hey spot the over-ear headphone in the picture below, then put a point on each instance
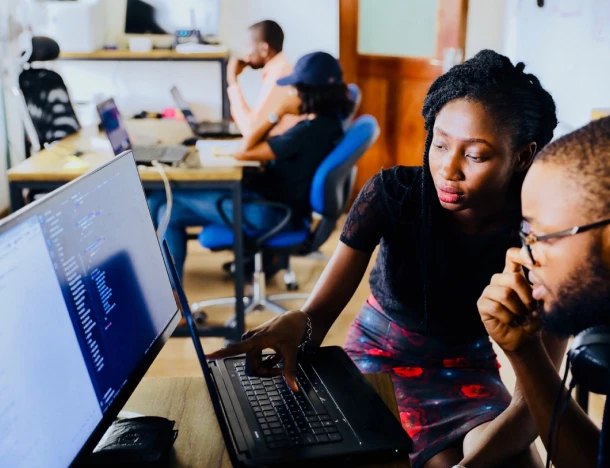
(589, 358)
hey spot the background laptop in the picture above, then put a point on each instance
(119, 139)
(204, 129)
(336, 415)
(86, 307)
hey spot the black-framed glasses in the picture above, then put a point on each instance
(528, 238)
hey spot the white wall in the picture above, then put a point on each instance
(566, 44)
(485, 26)
(140, 86)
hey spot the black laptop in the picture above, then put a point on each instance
(204, 129)
(119, 139)
(335, 416)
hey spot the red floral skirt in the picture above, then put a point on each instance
(443, 391)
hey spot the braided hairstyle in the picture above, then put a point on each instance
(513, 97)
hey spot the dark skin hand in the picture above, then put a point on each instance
(284, 333)
(501, 308)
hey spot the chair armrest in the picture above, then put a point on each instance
(271, 232)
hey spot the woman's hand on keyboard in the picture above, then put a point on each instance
(283, 334)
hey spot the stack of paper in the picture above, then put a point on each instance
(220, 153)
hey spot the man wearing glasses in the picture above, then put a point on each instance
(559, 280)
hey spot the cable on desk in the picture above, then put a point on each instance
(170, 199)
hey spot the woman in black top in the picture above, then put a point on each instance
(443, 231)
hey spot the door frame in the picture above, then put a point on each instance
(452, 34)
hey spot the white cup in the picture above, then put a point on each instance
(140, 44)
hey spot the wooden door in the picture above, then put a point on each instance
(394, 77)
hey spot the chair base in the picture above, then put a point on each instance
(258, 300)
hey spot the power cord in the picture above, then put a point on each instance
(168, 195)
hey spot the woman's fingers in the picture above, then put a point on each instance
(242, 347)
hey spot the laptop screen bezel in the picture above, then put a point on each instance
(126, 391)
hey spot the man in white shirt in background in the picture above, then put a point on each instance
(263, 51)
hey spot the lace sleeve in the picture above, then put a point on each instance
(366, 221)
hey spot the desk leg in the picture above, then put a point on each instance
(240, 326)
(16, 195)
(226, 107)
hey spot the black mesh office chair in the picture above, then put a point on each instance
(46, 96)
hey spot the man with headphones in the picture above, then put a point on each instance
(560, 282)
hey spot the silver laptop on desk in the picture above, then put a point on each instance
(204, 129)
(119, 139)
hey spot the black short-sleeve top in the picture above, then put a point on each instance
(388, 213)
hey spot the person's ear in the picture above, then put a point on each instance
(264, 49)
(525, 156)
(606, 246)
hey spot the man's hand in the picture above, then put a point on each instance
(235, 68)
(507, 308)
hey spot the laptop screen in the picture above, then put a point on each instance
(185, 108)
(114, 126)
(86, 299)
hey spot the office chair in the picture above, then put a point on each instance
(355, 95)
(46, 95)
(330, 192)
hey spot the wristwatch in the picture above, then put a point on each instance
(273, 118)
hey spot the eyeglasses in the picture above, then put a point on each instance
(528, 238)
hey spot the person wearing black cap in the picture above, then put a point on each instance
(290, 160)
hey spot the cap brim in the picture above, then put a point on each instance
(288, 80)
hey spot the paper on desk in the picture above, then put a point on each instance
(220, 153)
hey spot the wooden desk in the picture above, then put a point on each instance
(221, 56)
(187, 401)
(51, 169)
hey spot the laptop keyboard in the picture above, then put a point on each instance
(160, 153)
(287, 418)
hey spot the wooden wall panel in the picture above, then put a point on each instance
(374, 102)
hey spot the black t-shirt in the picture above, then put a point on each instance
(298, 154)
(388, 212)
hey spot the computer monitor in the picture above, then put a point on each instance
(168, 16)
(86, 306)
(113, 126)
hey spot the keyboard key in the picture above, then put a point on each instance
(274, 425)
(276, 445)
(322, 438)
(252, 399)
(315, 424)
(272, 419)
(335, 437)
(271, 413)
(308, 439)
(296, 441)
(254, 404)
(324, 417)
(292, 432)
(319, 431)
(311, 419)
(331, 429)
(266, 432)
(258, 387)
(273, 393)
(328, 423)
(310, 413)
(277, 430)
(264, 426)
(266, 407)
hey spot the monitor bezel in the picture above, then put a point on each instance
(126, 391)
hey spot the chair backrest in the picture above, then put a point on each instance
(356, 97)
(46, 95)
(48, 104)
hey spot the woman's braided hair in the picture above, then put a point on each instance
(515, 98)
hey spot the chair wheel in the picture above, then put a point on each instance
(200, 318)
(292, 286)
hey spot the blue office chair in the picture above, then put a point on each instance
(356, 97)
(330, 192)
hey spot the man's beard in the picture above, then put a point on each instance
(583, 301)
